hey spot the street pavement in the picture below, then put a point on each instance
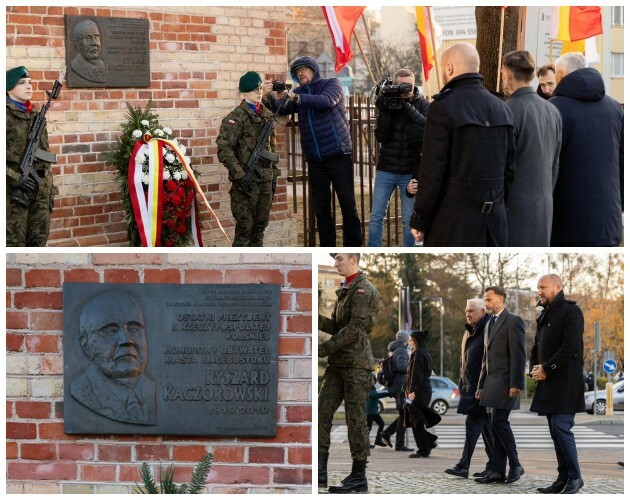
(600, 442)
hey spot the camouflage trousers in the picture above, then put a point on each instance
(251, 214)
(352, 386)
(29, 226)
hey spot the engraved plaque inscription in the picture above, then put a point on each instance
(107, 52)
(170, 359)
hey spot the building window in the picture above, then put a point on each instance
(617, 17)
(617, 65)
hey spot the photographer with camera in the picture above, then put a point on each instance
(327, 145)
(399, 130)
(29, 198)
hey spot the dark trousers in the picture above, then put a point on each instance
(476, 425)
(397, 427)
(338, 171)
(379, 421)
(504, 445)
(560, 425)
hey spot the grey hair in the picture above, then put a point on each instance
(571, 62)
(477, 303)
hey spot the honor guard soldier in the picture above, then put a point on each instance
(247, 148)
(29, 196)
(348, 375)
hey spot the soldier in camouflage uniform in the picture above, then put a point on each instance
(26, 225)
(348, 376)
(236, 141)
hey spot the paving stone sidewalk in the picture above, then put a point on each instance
(426, 482)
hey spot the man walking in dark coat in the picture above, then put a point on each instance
(557, 364)
(467, 160)
(477, 419)
(538, 136)
(500, 383)
(588, 198)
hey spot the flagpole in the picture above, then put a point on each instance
(551, 40)
(434, 49)
(369, 38)
(367, 65)
(500, 47)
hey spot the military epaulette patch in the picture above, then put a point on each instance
(360, 291)
(231, 122)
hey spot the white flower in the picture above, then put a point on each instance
(187, 158)
(167, 130)
(145, 179)
(158, 132)
(169, 157)
(145, 123)
(182, 148)
(184, 175)
(177, 176)
(136, 134)
(167, 174)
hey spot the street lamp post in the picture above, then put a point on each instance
(436, 299)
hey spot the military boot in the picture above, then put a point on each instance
(322, 470)
(356, 482)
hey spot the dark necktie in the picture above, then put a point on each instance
(492, 321)
(134, 407)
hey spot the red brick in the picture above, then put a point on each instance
(253, 276)
(224, 474)
(12, 450)
(99, 259)
(52, 364)
(14, 341)
(80, 276)
(9, 409)
(290, 345)
(32, 409)
(300, 279)
(114, 453)
(304, 302)
(149, 452)
(76, 451)
(285, 301)
(266, 455)
(189, 453)
(52, 470)
(42, 343)
(289, 434)
(203, 276)
(38, 300)
(14, 277)
(43, 320)
(300, 456)
(52, 430)
(299, 414)
(299, 324)
(129, 474)
(182, 474)
(121, 276)
(43, 278)
(232, 454)
(162, 276)
(38, 451)
(17, 320)
(19, 430)
(98, 472)
(292, 476)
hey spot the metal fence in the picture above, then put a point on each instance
(361, 114)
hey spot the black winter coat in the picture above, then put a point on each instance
(400, 360)
(419, 376)
(467, 160)
(588, 197)
(559, 348)
(472, 357)
(400, 133)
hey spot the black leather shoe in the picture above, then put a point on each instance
(379, 441)
(514, 474)
(457, 471)
(572, 486)
(483, 473)
(419, 455)
(385, 438)
(356, 482)
(403, 448)
(493, 477)
(556, 487)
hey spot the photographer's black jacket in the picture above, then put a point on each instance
(400, 133)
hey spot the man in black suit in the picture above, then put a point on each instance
(557, 364)
(477, 419)
(502, 378)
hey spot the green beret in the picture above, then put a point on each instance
(249, 81)
(14, 75)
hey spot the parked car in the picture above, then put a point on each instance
(600, 406)
(445, 395)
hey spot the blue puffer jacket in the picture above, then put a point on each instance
(324, 129)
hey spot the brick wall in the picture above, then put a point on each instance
(197, 56)
(42, 459)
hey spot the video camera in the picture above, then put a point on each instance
(280, 86)
(391, 92)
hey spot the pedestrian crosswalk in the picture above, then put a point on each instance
(527, 436)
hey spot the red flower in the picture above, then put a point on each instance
(168, 243)
(176, 200)
(171, 223)
(181, 229)
(171, 185)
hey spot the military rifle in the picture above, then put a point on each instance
(29, 180)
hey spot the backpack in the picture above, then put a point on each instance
(387, 371)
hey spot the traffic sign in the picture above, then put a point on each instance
(610, 366)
